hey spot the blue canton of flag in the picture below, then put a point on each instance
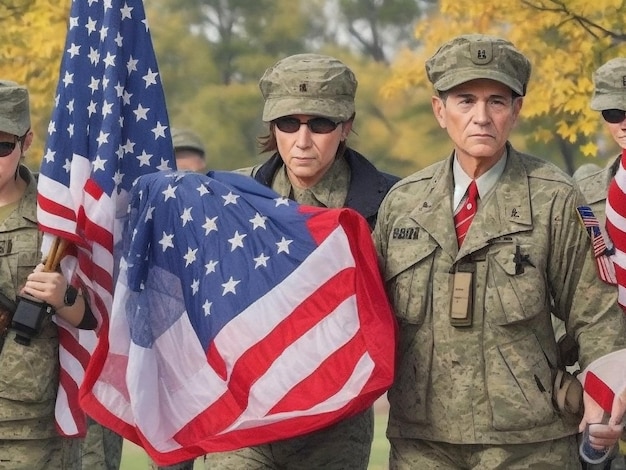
(109, 107)
(601, 252)
(109, 126)
(232, 255)
(239, 318)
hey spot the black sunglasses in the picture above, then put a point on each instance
(613, 115)
(6, 148)
(318, 125)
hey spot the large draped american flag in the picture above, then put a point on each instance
(239, 318)
(109, 125)
(616, 225)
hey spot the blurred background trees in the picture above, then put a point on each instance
(211, 54)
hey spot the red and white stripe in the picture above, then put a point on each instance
(90, 228)
(616, 226)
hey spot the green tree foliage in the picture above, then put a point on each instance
(211, 55)
(32, 37)
(240, 41)
(243, 34)
(565, 41)
(377, 24)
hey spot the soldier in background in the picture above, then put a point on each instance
(189, 151)
(477, 355)
(190, 156)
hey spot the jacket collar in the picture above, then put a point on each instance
(363, 175)
(505, 211)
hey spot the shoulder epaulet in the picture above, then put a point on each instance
(537, 167)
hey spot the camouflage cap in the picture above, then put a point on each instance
(610, 86)
(14, 109)
(474, 56)
(311, 84)
(186, 139)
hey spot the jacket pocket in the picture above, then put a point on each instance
(29, 373)
(515, 291)
(409, 275)
(519, 385)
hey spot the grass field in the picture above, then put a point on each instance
(134, 457)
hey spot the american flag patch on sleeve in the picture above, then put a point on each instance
(601, 252)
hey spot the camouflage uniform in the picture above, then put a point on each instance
(609, 93)
(480, 396)
(187, 465)
(594, 187)
(28, 374)
(102, 448)
(490, 383)
(593, 183)
(319, 86)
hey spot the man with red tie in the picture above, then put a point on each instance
(477, 251)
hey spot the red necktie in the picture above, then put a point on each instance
(463, 218)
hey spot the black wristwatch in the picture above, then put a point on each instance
(70, 295)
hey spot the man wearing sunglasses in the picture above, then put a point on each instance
(309, 105)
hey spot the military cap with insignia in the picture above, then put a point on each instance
(475, 56)
(311, 84)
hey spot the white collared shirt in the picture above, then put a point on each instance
(484, 182)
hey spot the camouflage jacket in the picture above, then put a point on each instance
(490, 382)
(594, 188)
(367, 185)
(28, 374)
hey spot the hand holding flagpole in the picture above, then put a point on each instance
(57, 250)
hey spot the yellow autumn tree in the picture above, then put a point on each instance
(565, 41)
(32, 37)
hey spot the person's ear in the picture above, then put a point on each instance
(27, 142)
(346, 127)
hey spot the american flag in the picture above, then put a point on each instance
(601, 252)
(616, 226)
(109, 125)
(604, 378)
(239, 318)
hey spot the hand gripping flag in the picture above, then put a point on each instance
(616, 226)
(109, 125)
(604, 378)
(239, 318)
